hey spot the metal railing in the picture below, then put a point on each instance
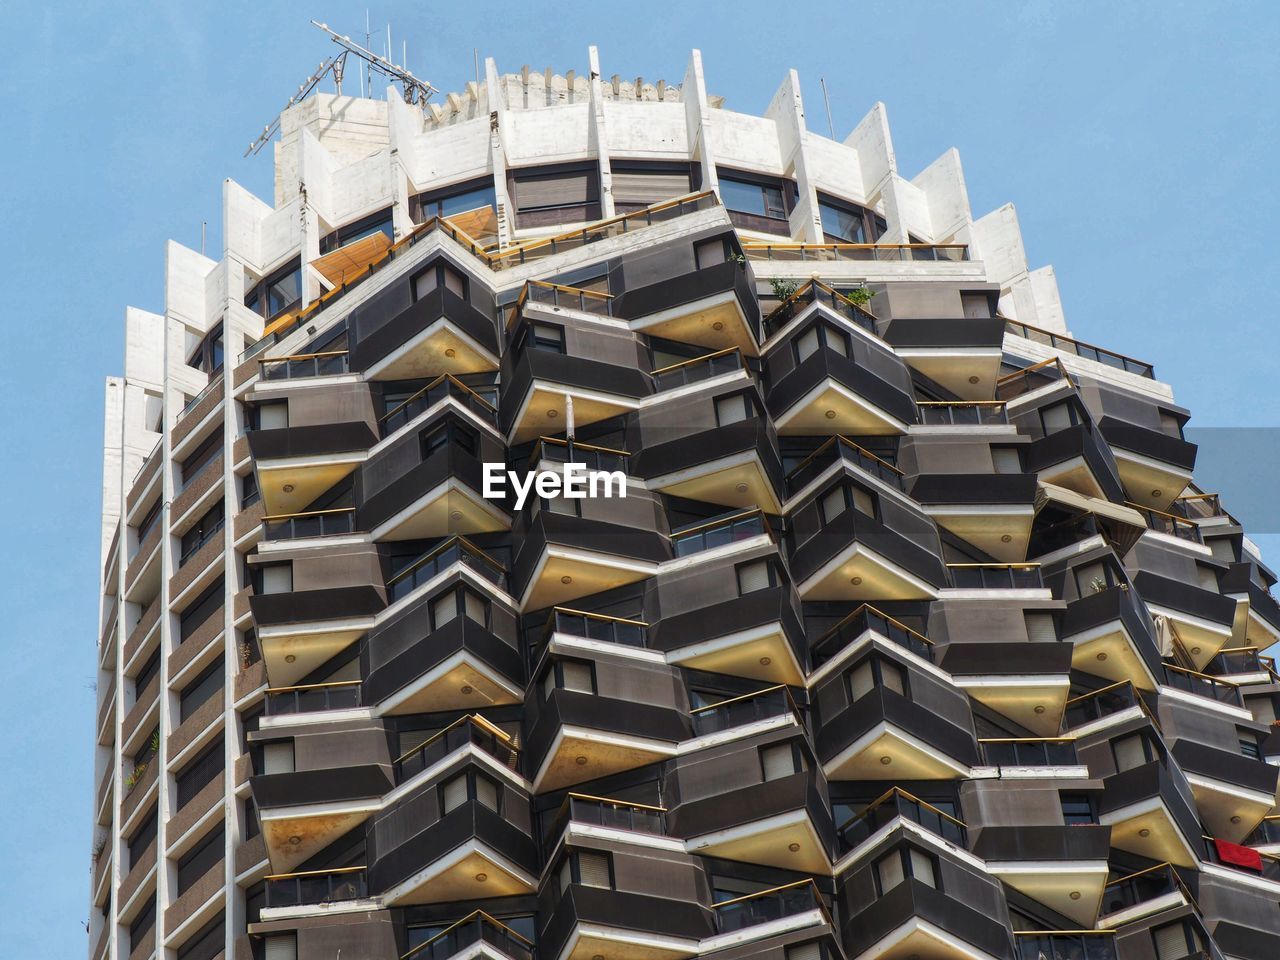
(1065, 944)
(737, 711)
(316, 887)
(962, 413)
(195, 547)
(841, 448)
(1141, 887)
(815, 291)
(595, 626)
(1231, 660)
(1199, 506)
(456, 549)
(559, 295)
(311, 523)
(766, 906)
(784, 252)
(1168, 523)
(1265, 833)
(300, 365)
(996, 576)
(1031, 378)
(445, 385)
(719, 532)
(1028, 751)
(471, 729)
(1079, 348)
(1270, 863)
(894, 803)
(607, 812)
(1202, 685)
(1104, 702)
(698, 369)
(194, 402)
(864, 618)
(574, 451)
(471, 930)
(313, 697)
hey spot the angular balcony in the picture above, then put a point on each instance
(1143, 894)
(843, 451)
(886, 735)
(441, 333)
(1078, 459)
(310, 524)
(993, 511)
(857, 557)
(1112, 638)
(886, 813)
(967, 413)
(1065, 518)
(476, 934)
(830, 393)
(1154, 466)
(796, 307)
(1034, 758)
(1027, 682)
(915, 919)
(961, 354)
(856, 631)
(445, 388)
(304, 366)
(1202, 685)
(313, 698)
(1202, 620)
(306, 891)
(736, 465)
(995, 576)
(1243, 665)
(714, 307)
(758, 635)
(1151, 812)
(781, 823)
(1257, 621)
(765, 913)
(1065, 944)
(471, 733)
(1267, 866)
(1233, 792)
(604, 813)
(1114, 703)
(1078, 348)
(1063, 867)
(1265, 837)
(300, 630)
(590, 921)
(297, 464)
(1032, 378)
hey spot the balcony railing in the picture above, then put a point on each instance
(1233, 660)
(1028, 751)
(1105, 702)
(1202, 685)
(996, 576)
(766, 906)
(1199, 506)
(1265, 833)
(470, 931)
(719, 532)
(559, 295)
(698, 369)
(313, 697)
(738, 711)
(841, 448)
(1270, 864)
(1079, 348)
(894, 803)
(316, 887)
(595, 626)
(606, 812)
(968, 413)
(1169, 523)
(864, 618)
(954, 252)
(300, 365)
(1065, 944)
(1142, 887)
(209, 534)
(1031, 378)
(445, 385)
(312, 523)
(815, 291)
(454, 550)
(573, 451)
(194, 402)
(471, 729)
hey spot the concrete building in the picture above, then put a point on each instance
(912, 638)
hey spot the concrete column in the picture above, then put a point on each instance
(693, 93)
(597, 135)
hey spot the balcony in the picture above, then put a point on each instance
(1266, 835)
(914, 919)
(1142, 894)
(1202, 685)
(607, 814)
(776, 910)
(310, 524)
(472, 731)
(1257, 621)
(591, 921)
(961, 354)
(1078, 348)
(735, 466)
(1031, 757)
(455, 551)
(1065, 944)
(841, 450)
(830, 393)
(1032, 378)
(301, 366)
(857, 252)
(1202, 620)
(815, 291)
(993, 511)
(1154, 466)
(315, 888)
(297, 464)
(439, 334)
(1270, 868)
(1114, 703)
(442, 388)
(714, 307)
(1232, 792)
(1078, 459)
(969, 413)
(1169, 524)
(894, 805)
(760, 707)
(475, 934)
(1026, 682)
(313, 698)
(1112, 638)
(1063, 867)
(857, 557)
(758, 635)
(300, 630)
(995, 576)
(1151, 812)
(865, 622)
(595, 627)
(1244, 665)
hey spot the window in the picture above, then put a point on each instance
(1077, 809)
(1040, 626)
(1132, 751)
(207, 943)
(812, 950)
(1206, 577)
(249, 492)
(1006, 460)
(269, 416)
(470, 785)
(846, 222)
(1171, 424)
(277, 756)
(757, 575)
(149, 671)
(251, 825)
(556, 194)
(439, 274)
(142, 838)
(708, 253)
(761, 198)
(588, 868)
(199, 690)
(449, 434)
(636, 184)
(781, 760)
(845, 496)
(902, 863)
(379, 222)
(269, 578)
(200, 772)
(277, 293)
(1093, 578)
(1175, 941)
(142, 924)
(876, 672)
(546, 336)
(1249, 743)
(1059, 416)
(576, 675)
(280, 947)
(202, 456)
(459, 198)
(817, 337)
(147, 752)
(734, 409)
(149, 520)
(459, 602)
(207, 355)
(202, 531)
(200, 610)
(197, 861)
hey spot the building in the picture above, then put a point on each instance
(913, 637)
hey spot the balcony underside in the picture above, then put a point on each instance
(290, 484)
(859, 573)
(918, 939)
(292, 652)
(957, 367)
(716, 322)
(1229, 812)
(1149, 830)
(462, 682)
(579, 754)
(441, 348)
(762, 653)
(1201, 638)
(1072, 888)
(1035, 702)
(768, 842)
(1002, 531)
(1073, 474)
(736, 481)
(313, 830)
(909, 758)
(831, 408)
(543, 412)
(1150, 482)
(590, 940)
(563, 574)
(473, 871)
(449, 509)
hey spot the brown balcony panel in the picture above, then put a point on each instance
(194, 725)
(243, 769)
(146, 550)
(142, 630)
(195, 565)
(140, 483)
(190, 648)
(196, 896)
(240, 604)
(137, 872)
(209, 477)
(146, 699)
(146, 946)
(249, 680)
(250, 853)
(192, 417)
(109, 631)
(105, 708)
(104, 788)
(132, 798)
(245, 372)
(211, 795)
(247, 519)
(111, 571)
(100, 868)
(104, 938)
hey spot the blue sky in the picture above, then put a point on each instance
(1137, 140)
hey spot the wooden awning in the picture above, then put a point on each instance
(349, 262)
(1123, 526)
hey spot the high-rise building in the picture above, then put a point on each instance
(907, 633)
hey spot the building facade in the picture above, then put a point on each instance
(913, 636)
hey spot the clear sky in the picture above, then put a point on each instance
(1138, 141)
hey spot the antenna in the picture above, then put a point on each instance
(414, 89)
(333, 63)
(827, 100)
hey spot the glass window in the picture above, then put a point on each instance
(922, 867)
(277, 756)
(197, 861)
(1175, 941)
(270, 416)
(843, 224)
(1060, 416)
(379, 222)
(453, 794)
(594, 869)
(1006, 460)
(756, 575)
(546, 336)
(208, 942)
(274, 578)
(199, 690)
(1249, 744)
(444, 609)
(734, 409)
(781, 760)
(807, 344)
(280, 946)
(150, 670)
(1131, 751)
(1077, 809)
(200, 772)
(200, 610)
(142, 923)
(876, 671)
(833, 503)
(475, 607)
(889, 872)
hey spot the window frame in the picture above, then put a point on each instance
(907, 866)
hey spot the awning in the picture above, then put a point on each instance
(349, 262)
(1121, 525)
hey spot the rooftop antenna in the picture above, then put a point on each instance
(414, 89)
(335, 64)
(827, 100)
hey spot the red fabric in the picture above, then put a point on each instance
(1238, 856)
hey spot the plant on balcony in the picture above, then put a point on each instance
(859, 296)
(784, 289)
(1097, 584)
(135, 775)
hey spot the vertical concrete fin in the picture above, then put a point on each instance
(945, 194)
(696, 114)
(597, 135)
(874, 144)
